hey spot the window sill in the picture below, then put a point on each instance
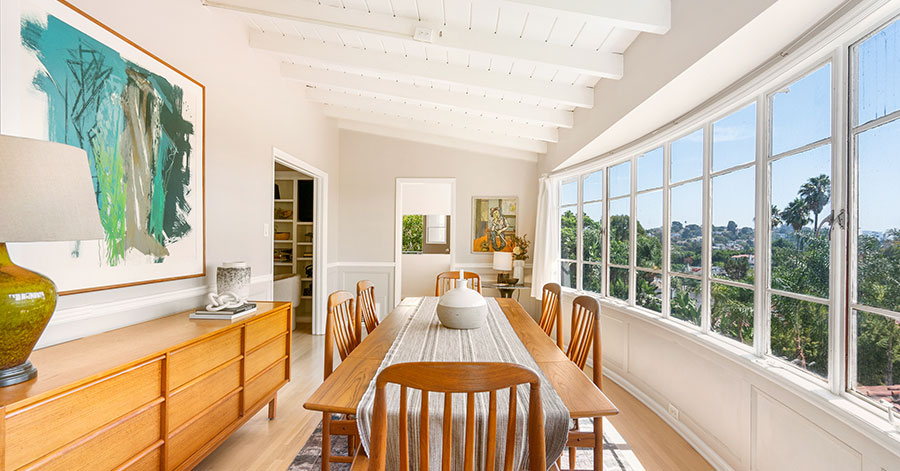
(854, 412)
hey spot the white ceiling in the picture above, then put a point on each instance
(503, 73)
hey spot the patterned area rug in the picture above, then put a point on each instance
(617, 454)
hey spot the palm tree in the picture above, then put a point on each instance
(796, 214)
(816, 193)
(776, 217)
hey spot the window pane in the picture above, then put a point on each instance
(593, 186)
(800, 333)
(618, 283)
(568, 275)
(649, 230)
(649, 291)
(592, 232)
(878, 357)
(620, 179)
(734, 139)
(687, 157)
(732, 312)
(593, 277)
(801, 112)
(568, 193)
(650, 170)
(619, 230)
(687, 234)
(733, 214)
(685, 301)
(878, 238)
(878, 74)
(568, 233)
(801, 197)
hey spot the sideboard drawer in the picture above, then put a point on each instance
(198, 358)
(193, 437)
(149, 462)
(38, 429)
(258, 331)
(265, 356)
(192, 400)
(257, 389)
(115, 446)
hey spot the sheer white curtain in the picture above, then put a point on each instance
(545, 265)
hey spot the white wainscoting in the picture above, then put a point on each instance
(345, 275)
(736, 416)
(93, 318)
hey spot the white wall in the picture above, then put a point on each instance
(249, 109)
(740, 415)
(417, 275)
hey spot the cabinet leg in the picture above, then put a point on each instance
(273, 408)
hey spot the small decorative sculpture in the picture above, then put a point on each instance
(232, 286)
(462, 307)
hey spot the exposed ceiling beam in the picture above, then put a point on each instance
(529, 145)
(437, 140)
(565, 94)
(495, 107)
(434, 115)
(376, 25)
(654, 16)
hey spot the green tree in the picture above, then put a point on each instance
(815, 194)
(619, 239)
(732, 312)
(568, 235)
(796, 215)
(412, 233)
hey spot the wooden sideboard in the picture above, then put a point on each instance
(160, 395)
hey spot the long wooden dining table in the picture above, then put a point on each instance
(342, 391)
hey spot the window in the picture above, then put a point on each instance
(568, 239)
(875, 234)
(800, 242)
(735, 225)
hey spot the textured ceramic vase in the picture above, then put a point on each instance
(233, 277)
(518, 271)
(462, 307)
(27, 300)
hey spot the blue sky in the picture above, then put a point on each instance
(801, 115)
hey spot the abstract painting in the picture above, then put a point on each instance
(65, 77)
(493, 222)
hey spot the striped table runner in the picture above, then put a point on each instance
(423, 338)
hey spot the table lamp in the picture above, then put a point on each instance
(503, 264)
(46, 194)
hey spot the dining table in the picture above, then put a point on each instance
(343, 390)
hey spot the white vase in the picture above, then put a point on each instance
(518, 271)
(462, 307)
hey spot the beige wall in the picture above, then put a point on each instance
(249, 109)
(370, 166)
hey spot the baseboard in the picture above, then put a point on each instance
(686, 433)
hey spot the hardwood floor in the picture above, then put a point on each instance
(265, 445)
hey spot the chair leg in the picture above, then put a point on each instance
(572, 457)
(326, 441)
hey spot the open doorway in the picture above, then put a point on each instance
(426, 223)
(298, 238)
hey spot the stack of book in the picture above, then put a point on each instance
(225, 314)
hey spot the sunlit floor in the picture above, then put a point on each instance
(262, 444)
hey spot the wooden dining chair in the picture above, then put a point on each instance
(448, 378)
(365, 305)
(550, 312)
(445, 281)
(342, 326)
(585, 334)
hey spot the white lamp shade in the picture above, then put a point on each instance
(46, 192)
(502, 261)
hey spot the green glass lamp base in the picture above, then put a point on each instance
(17, 374)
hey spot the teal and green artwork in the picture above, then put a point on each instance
(67, 78)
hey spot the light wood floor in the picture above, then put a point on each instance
(265, 445)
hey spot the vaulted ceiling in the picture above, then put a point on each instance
(505, 74)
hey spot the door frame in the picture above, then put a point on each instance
(398, 227)
(320, 232)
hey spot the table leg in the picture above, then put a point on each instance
(598, 444)
(326, 441)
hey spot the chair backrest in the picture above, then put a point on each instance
(586, 333)
(339, 328)
(550, 312)
(445, 281)
(449, 378)
(365, 304)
